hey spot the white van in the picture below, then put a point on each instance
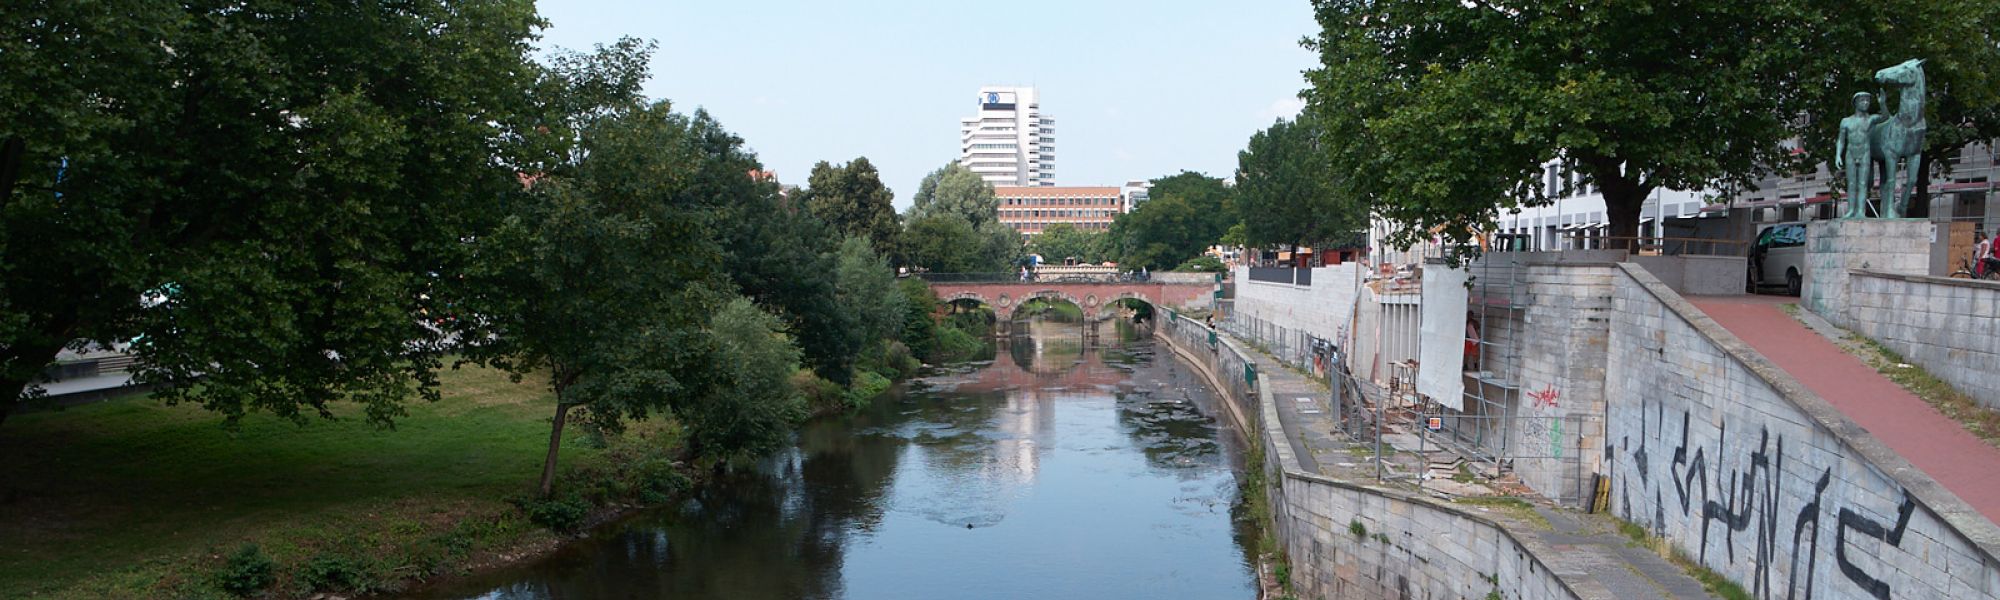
(1778, 257)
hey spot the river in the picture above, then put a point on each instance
(1066, 467)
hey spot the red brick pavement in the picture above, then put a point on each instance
(1963, 463)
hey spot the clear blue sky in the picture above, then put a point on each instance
(1139, 89)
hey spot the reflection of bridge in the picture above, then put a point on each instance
(1005, 293)
(1049, 361)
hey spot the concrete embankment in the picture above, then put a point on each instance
(1352, 541)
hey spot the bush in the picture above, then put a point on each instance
(866, 387)
(564, 513)
(332, 572)
(659, 481)
(247, 571)
(955, 344)
(1201, 264)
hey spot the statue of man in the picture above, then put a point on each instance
(1851, 153)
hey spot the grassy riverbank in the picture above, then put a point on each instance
(131, 499)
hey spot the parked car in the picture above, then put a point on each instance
(1778, 257)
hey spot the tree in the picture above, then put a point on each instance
(752, 408)
(868, 291)
(1063, 240)
(263, 196)
(853, 200)
(957, 190)
(1161, 233)
(777, 254)
(1210, 197)
(1282, 192)
(605, 281)
(1187, 213)
(1447, 112)
(946, 243)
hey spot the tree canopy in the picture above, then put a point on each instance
(285, 185)
(957, 190)
(947, 243)
(1283, 195)
(1447, 112)
(852, 199)
(1063, 240)
(1187, 212)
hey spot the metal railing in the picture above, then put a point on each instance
(1032, 277)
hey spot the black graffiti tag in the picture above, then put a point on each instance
(1868, 527)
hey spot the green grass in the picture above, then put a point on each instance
(130, 498)
(1517, 507)
(1977, 419)
(1955, 405)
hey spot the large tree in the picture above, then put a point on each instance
(956, 190)
(604, 281)
(1063, 241)
(946, 243)
(1447, 111)
(1283, 191)
(1187, 213)
(852, 199)
(283, 183)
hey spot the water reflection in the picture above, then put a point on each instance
(1076, 466)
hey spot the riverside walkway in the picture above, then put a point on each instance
(1585, 550)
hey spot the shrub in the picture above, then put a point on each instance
(866, 387)
(332, 572)
(1201, 264)
(246, 572)
(563, 513)
(659, 481)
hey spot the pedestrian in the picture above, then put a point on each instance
(1024, 273)
(1984, 255)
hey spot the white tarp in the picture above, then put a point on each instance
(1441, 350)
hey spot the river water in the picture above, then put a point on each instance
(1062, 468)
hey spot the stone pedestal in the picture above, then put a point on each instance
(1899, 246)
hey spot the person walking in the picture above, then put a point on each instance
(1983, 256)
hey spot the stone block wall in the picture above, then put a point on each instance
(1324, 309)
(1751, 475)
(1950, 327)
(1558, 435)
(1834, 248)
(1409, 546)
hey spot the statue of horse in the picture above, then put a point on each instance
(1897, 140)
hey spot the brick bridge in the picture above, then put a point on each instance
(1005, 295)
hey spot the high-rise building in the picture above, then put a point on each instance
(1136, 192)
(1010, 142)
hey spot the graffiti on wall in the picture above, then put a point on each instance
(1546, 398)
(1723, 492)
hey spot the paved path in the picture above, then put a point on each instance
(1941, 448)
(1585, 550)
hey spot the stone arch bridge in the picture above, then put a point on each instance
(1005, 293)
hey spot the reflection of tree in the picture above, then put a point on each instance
(777, 531)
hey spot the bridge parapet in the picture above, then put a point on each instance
(1005, 295)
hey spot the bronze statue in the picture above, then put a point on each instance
(1853, 153)
(1897, 140)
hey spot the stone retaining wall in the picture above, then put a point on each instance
(1740, 467)
(1357, 542)
(1950, 327)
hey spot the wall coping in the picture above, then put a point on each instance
(1961, 518)
(1976, 284)
(1275, 440)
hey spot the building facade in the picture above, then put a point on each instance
(1010, 142)
(1031, 210)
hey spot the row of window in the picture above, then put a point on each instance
(1099, 201)
(1086, 214)
(994, 147)
(1039, 225)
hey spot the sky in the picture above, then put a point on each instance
(1139, 90)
